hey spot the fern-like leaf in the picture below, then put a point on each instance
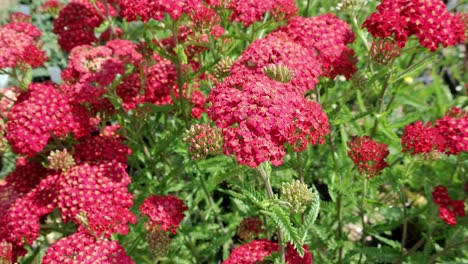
(281, 218)
(310, 218)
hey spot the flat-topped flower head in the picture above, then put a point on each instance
(20, 46)
(327, 37)
(257, 250)
(252, 252)
(278, 50)
(77, 20)
(40, 113)
(422, 139)
(85, 190)
(454, 128)
(249, 11)
(84, 248)
(428, 20)
(368, 155)
(164, 211)
(259, 116)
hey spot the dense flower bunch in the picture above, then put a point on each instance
(41, 113)
(92, 193)
(249, 228)
(454, 128)
(19, 46)
(77, 20)
(85, 248)
(368, 155)
(250, 11)
(258, 116)
(280, 50)
(328, 37)
(164, 211)
(429, 20)
(257, 250)
(419, 138)
(448, 209)
(160, 85)
(449, 135)
(144, 10)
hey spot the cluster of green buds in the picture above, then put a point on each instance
(203, 140)
(223, 68)
(279, 73)
(60, 160)
(297, 195)
(3, 142)
(158, 240)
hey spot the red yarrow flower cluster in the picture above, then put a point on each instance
(40, 113)
(328, 37)
(164, 211)
(278, 49)
(448, 209)
(144, 10)
(419, 138)
(84, 248)
(259, 115)
(161, 80)
(449, 135)
(257, 250)
(20, 46)
(429, 20)
(368, 155)
(454, 128)
(92, 69)
(83, 187)
(250, 11)
(77, 20)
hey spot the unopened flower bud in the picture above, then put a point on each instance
(384, 50)
(249, 228)
(223, 68)
(60, 160)
(203, 141)
(158, 240)
(298, 195)
(279, 73)
(360, 81)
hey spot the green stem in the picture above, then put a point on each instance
(447, 248)
(266, 179)
(180, 80)
(363, 212)
(380, 104)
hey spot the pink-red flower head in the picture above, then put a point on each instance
(164, 211)
(428, 20)
(368, 155)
